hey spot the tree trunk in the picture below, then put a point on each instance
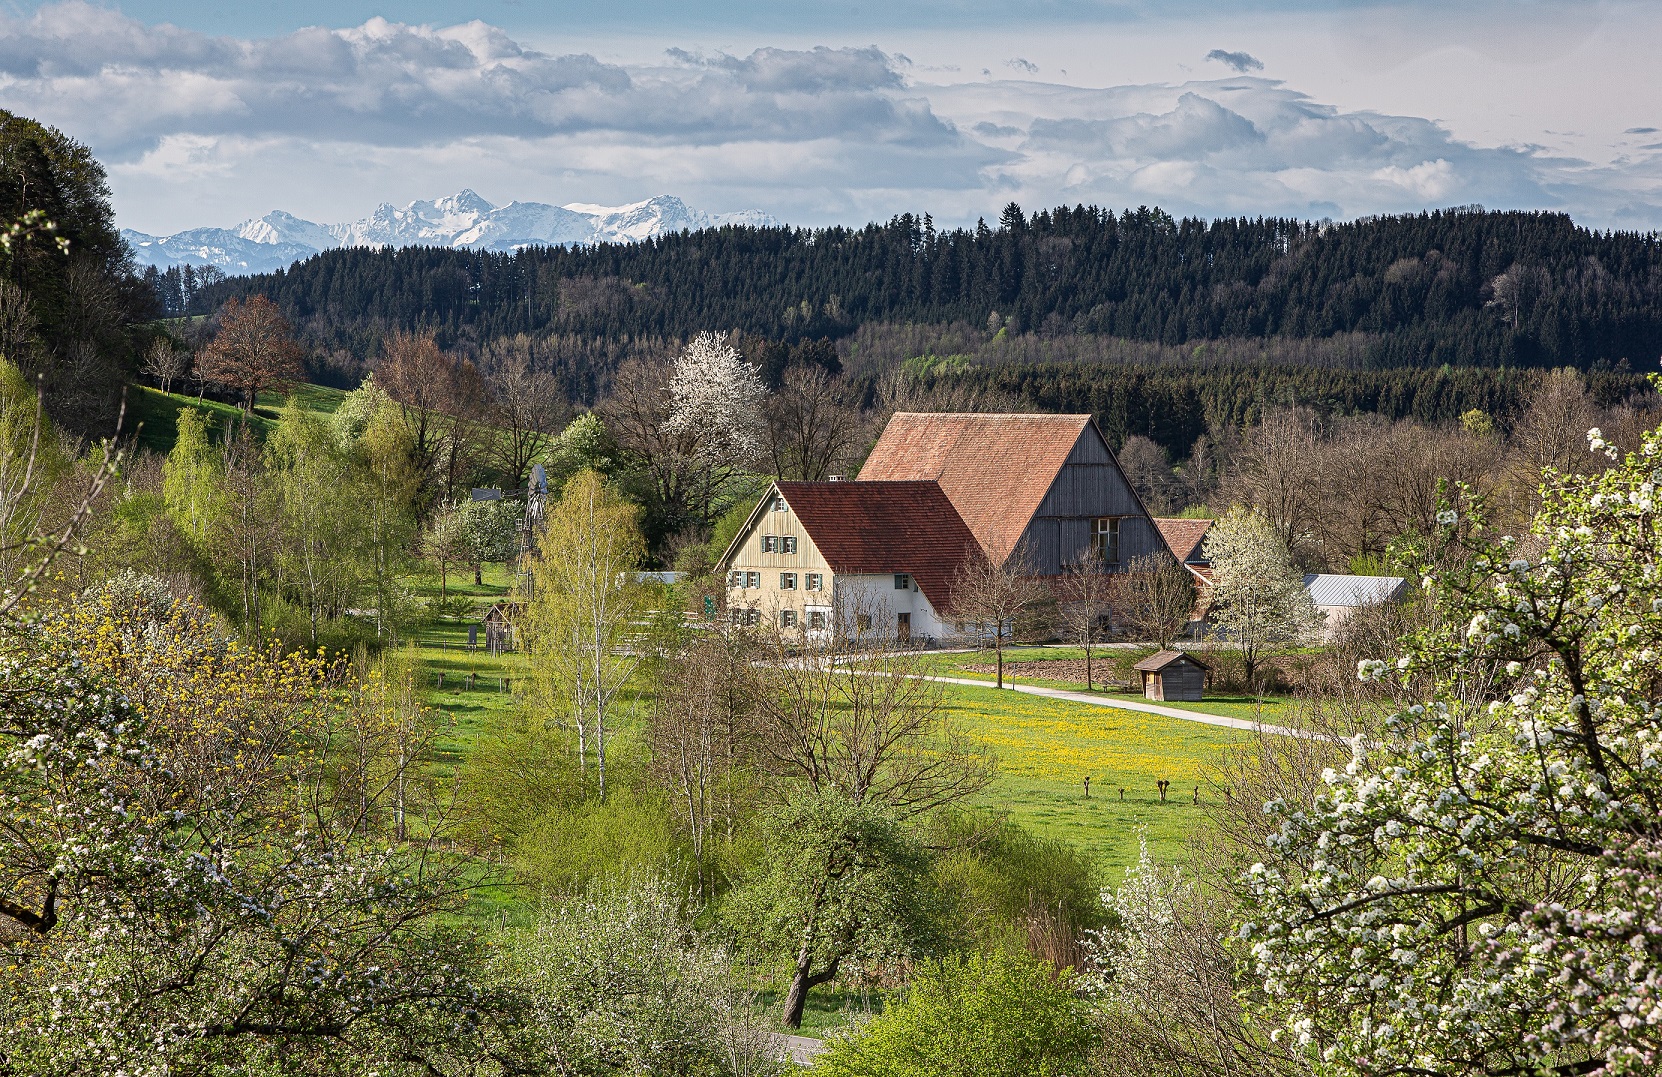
(998, 645)
(1088, 684)
(478, 577)
(802, 982)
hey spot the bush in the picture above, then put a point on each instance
(980, 1015)
(1009, 887)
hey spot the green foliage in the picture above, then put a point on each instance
(993, 1014)
(841, 877)
(620, 981)
(585, 444)
(999, 878)
(192, 478)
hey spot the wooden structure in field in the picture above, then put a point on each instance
(1173, 675)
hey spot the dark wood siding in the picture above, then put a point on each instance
(1181, 681)
(1089, 485)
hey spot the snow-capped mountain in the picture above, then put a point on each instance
(462, 220)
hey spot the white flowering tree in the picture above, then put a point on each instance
(716, 402)
(1258, 597)
(1480, 889)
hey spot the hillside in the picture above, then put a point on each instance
(1462, 287)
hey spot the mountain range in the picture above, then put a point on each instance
(462, 220)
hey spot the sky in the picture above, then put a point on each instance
(210, 112)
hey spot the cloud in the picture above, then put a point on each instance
(199, 129)
(1240, 61)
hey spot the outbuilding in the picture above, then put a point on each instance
(1173, 675)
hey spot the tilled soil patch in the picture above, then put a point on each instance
(1054, 669)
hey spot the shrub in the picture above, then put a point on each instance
(979, 1015)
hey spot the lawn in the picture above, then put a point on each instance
(155, 414)
(1046, 748)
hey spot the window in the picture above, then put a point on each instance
(814, 582)
(902, 582)
(770, 544)
(787, 544)
(735, 579)
(779, 503)
(1105, 539)
(787, 581)
(752, 617)
(787, 618)
(862, 622)
(816, 618)
(753, 579)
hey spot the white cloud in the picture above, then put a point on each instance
(199, 129)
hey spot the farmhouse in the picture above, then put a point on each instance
(1048, 483)
(858, 558)
(878, 556)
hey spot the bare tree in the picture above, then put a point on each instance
(1272, 470)
(1086, 592)
(253, 350)
(166, 363)
(811, 428)
(1155, 598)
(1147, 468)
(527, 408)
(440, 396)
(992, 593)
(698, 718)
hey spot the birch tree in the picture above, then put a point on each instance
(584, 608)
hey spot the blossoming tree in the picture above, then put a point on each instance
(1480, 889)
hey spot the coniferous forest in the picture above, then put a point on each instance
(1461, 287)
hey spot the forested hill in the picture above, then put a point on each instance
(1458, 286)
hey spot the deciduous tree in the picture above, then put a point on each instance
(992, 593)
(1476, 891)
(1258, 596)
(253, 350)
(1154, 598)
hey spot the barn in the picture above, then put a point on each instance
(1173, 675)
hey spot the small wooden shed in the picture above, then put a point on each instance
(1173, 675)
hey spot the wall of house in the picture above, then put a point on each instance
(769, 598)
(1089, 485)
(878, 598)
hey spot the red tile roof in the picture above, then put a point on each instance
(875, 528)
(996, 469)
(1185, 537)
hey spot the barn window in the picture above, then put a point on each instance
(1105, 539)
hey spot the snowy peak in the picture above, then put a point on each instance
(463, 220)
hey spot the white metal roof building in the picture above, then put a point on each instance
(1336, 597)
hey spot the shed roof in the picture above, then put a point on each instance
(1185, 537)
(1327, 589)
(1159, 660)
(870, 528)
(996, 469)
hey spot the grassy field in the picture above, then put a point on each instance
(1046, 748)
(155, 414)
